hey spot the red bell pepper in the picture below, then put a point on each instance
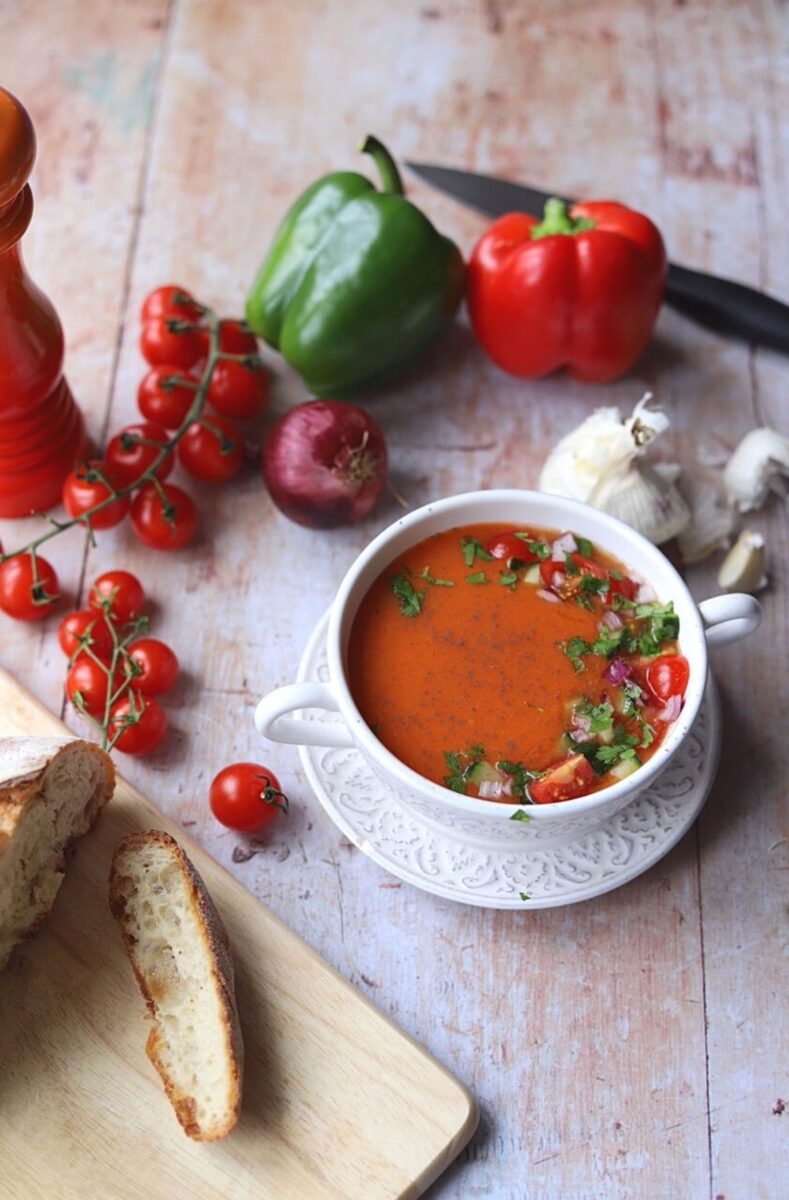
(580, 289)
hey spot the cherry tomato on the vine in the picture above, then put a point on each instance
(85, 624)
(165, 522)
(27, 592)
(90, 681)
(160, 344)
(132, 451)
(237, 390)
(212, 450)
(163, 402)
(157, 664)
(235, 337)
(84, 487)
(170, 301)
(124, 593)
(246, 797)
(668, 676)
(148, 729)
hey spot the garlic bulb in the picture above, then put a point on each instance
(759, 464)
(742, 570)
(711, 520)
(595, 463)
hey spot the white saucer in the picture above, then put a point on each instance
(633, 840)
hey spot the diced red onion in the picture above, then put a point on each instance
(490, 789)
(565, 544)
(507, 788)
(646, 593)
(557, 579)
(671, 710)
(541, 592)
(617, 671)
(611, 619)
(582, 721)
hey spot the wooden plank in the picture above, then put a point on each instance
(337, 1102)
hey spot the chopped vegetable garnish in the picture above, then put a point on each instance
(586, 548)
(477, 577)
(473, 549)
(520, 815)
(508, 579)
(410, 599)
(428, 578)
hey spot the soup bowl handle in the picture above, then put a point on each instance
(272, 721)
(729, 618)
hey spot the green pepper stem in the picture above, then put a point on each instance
(387, 168)
(558, 220)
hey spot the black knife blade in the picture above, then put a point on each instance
(721, 304)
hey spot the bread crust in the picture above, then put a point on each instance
(28, 760)
(216, 945)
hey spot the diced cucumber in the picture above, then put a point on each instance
(625, 767)
(533, 574)
(606, 736)
(483, 772)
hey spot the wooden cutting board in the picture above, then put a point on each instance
(338, 1102)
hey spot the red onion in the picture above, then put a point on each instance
(541, 592)
(611, 619)
(557, 579)
(490, 789)
(324, 463)
(672, 709)
(617, 671)
(565, 544)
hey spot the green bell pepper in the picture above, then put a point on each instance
(357, 283)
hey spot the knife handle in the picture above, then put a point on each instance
(729, 307)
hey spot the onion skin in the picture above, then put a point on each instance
(325, 464)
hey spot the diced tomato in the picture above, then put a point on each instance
(564, 781)
(623, 587)
(549, 568)
(507, 545)
(588, 566)
(668, 676)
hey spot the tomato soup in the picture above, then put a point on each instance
(518, 665)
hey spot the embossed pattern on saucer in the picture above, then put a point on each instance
(634, 839)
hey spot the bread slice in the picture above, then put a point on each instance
(51, 791)
(181, 956)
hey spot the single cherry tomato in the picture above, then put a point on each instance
(85, 625)
(235, 337)
(27, 591)
(246, 797)
(121, 593)
(564, 781)
(237, 390)
(170, 301)
(132, 451)
(89, 681)
(212, 450)
(164, 523)
(161, 344)
(157, 665)
(84, 487)
(512, 548)
(163, 402)
(668, 676)
(149, 723)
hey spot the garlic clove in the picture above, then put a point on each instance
(759, 464)
(711, 520)
(742, 570)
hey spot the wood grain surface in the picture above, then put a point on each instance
(629, 1047)
(336, 1101)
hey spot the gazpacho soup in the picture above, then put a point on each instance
(518, 665)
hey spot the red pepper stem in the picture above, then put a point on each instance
(387, 168)
(557, 220)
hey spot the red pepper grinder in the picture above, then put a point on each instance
(41, 429)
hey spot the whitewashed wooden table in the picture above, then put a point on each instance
(627, 1047)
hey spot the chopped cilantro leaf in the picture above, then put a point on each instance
(570, 566)
(477, 577)
(519, 776)
(615, 574)
(647, 734)
(574, 648)
(520, 815)
(601, 715)
(619, 602)
(602, 758)
(460, 763)
(508, 579)
(592, 585)
(632, 693)
(524, 895)
(410, 599)
(585, 547)
(473, 549)
(541, 549)
(431, 579)
(584, 601)
(608, 641)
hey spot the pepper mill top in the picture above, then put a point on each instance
(17, 155)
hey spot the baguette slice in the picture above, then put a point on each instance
(181, 956)
(51, 791)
